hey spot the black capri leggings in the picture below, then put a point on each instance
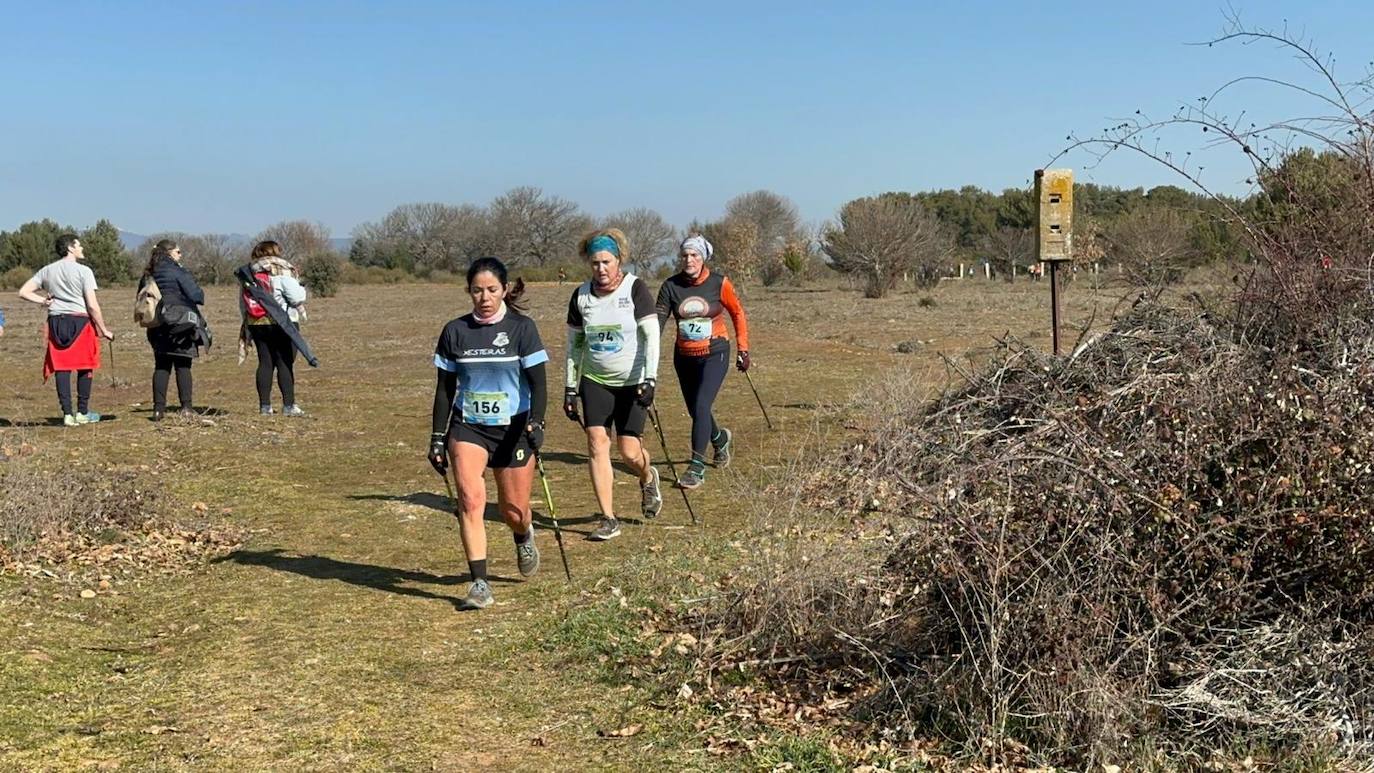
(275, 352)
(700, 378)
(163, 365)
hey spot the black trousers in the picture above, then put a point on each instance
(275, 353)
(63, 379)
(700, 379)
(163, 365)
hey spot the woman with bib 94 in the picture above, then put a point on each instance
(612, 366)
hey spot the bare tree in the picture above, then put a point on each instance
(211, 258)
(1009, 246)
(735, 241)
(1309, 268)
(882, 237)
(1153, 245)
(533, 228)
(299, 239)
(651, 238)
(426, 237)
(773, 216)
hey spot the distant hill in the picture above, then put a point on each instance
(131, 241)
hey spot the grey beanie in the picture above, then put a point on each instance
(699, 244)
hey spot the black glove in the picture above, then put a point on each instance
(570, 405)
(438, 453)
(645, 395)
(742, 360)
(535, 431)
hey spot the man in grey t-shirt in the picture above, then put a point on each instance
(74, 321)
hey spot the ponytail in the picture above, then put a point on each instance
(514, 294)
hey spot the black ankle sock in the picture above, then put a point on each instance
(521, 539)
(478, 569)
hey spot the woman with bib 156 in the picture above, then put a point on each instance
(489, 403)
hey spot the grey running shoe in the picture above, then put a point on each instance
(609, 528)
(265, 410)
(292, 410)
(651, 499)
(527, 555)
(479, 596)
(694, 477)
(720, 452)
(90, 417)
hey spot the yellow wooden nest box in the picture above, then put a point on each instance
(1054, 212)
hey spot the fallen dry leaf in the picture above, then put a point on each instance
(623, 732)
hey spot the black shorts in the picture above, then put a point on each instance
(507, 445)
(604, 406)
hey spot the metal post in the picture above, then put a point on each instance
(1054, 304)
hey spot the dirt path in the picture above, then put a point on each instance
(331, 640)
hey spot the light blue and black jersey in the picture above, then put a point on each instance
(490, 363)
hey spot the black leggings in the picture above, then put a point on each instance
(163, 365)
(63, 379)
(275, 352)
(700, 379)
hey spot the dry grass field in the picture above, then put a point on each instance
(330, 640)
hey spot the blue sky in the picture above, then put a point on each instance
(225, 117)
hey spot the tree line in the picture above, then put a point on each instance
(1154, 235)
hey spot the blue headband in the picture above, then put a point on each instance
(603, 243)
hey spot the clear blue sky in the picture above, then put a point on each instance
(199, 117)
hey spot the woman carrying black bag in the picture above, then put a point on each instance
(177, 340)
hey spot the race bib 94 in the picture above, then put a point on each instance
(607, 339)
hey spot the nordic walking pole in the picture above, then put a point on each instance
(653, 415)
(112, 363)
(452, 500)
(759, 399)
(553, 516)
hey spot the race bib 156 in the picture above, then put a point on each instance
(486, 408)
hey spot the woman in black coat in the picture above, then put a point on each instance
(174, 346)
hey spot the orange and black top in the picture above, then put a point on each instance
(699, 306)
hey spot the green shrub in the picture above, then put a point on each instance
(322, 273)
(353, 274)
(15, 278)
(576, 272)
